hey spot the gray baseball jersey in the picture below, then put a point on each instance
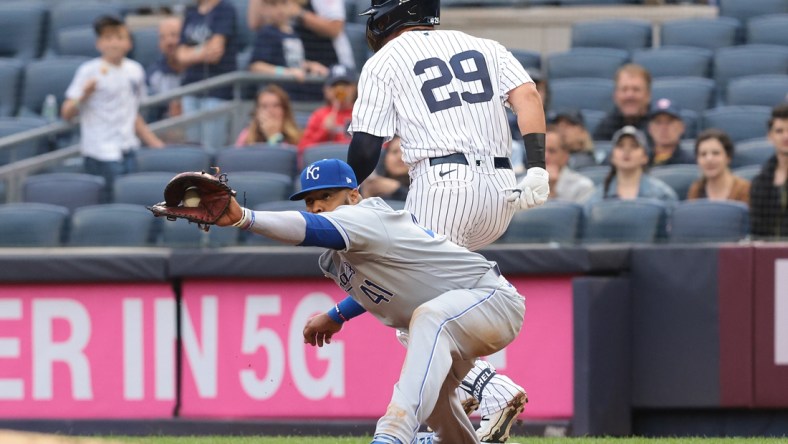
(443, 92)
(453, 302)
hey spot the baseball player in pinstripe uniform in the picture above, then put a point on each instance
(444, 93)
(454, 303)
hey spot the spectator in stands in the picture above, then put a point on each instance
(106, 93)
(769, 192)
(565, 183)
(279, 51)
(208, 48)
(164, 74)
(632, 95)
(666, 127)
(628, 178)
(321, 26)
(714, 151)
(390, 180)
(330, 122)
(272, 121)
(571, 126)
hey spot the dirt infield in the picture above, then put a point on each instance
(12, 437)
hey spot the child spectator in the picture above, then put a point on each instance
(164, 74)
(106, 93)
(769, 192)
(628, 178)
(272, 121)
(278, 50)
(714, 151)
(207, 49)
(330, 122)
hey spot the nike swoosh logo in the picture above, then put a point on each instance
(443, 173)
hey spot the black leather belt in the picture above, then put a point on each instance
(500, 162)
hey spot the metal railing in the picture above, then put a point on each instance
(14, 174)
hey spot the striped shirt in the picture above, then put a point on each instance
(442, 92)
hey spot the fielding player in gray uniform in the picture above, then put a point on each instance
(454, 304)
(444, 93)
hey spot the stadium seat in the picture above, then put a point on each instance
(752, 152)
(740, 122)
(140, 188)
(23, 27)
(627, 34)
(180, 233)
(77, 41)
(596, 173)
(115, 225)
(582, 93)
(326, 150)
(32, 224)
(678, 177)
(255, 187)
(10, 82)
(22, 150)
(747, 172)
(71, 190)
(744, 10)
(614, 220)
(585, 62)
(64, 15)
(173, 159)
(529, 59)
(46, 76)
(770, 30)
(686, 93)
(761, 90)
(709, 33)
(538, 225)
(702, 220)
(357, 34)
(146, 45)
(675, 61)
(747, 60)
(592, 117)
(279, 159)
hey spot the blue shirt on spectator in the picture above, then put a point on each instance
(650, 187)
(160, 78)
(199, 28)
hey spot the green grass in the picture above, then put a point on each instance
(366, 440)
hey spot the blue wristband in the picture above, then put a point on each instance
(345, 310)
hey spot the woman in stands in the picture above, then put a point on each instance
(272, 121)
(628, 178)
(713, 154)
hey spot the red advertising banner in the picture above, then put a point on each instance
(244, 356)
(87, 351)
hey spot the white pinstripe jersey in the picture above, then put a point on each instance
(442, 92)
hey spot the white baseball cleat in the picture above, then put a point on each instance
(495, 428)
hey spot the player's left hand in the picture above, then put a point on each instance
(532, 191)
(319, 330)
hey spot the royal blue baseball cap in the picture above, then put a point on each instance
(326, 173)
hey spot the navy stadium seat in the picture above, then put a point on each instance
(22, 150)
(744, 10)
(111, 225)
(747, 172)
(275, 159)
(77, 41)
(686, 93)
(173, 159)
(582, 93)
(23, 29)
(529, 59)
(627, 34)
(10, 82)
(585, 62)
(146, 45)
(752, 152)
(675, 61)
(46, 76)
(538, 225)
(709, 33)
(678, 177)
(328, 150)
(770, 29)
(702, 220)
(64, 15)
(761, 90)
(747, 60)
(596, 173)
(740, 122)
(614, 220)
(145, 188)
(254, 187)
(32, 224)
(71, 190)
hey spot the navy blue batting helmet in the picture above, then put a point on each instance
(387, 16)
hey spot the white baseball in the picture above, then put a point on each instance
(191, 198)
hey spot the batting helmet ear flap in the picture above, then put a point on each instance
(387, 16)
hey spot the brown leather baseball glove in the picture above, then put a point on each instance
(198, 197)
